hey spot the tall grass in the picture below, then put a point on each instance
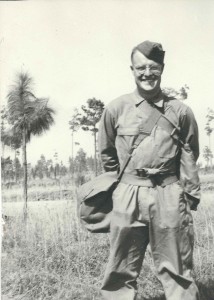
(50, 256)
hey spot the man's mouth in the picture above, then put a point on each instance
(147, 80)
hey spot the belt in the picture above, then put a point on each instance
(152, 181)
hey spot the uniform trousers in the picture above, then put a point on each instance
(159, 216)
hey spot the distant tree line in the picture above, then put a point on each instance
(12, 170)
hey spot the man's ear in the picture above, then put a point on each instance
(131, 67)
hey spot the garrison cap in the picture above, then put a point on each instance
(151, 50)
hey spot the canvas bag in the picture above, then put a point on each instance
(95, 198)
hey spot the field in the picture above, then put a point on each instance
(50, 256)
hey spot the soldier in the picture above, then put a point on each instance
(153, 201)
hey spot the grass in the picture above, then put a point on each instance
(52, 257)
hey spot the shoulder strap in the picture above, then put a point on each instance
(171, 128)
(163, 121)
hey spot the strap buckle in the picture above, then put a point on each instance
(141, 130)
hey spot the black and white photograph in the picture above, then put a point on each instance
(107, 144)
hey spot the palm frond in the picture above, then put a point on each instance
(19, 96)
(25, 111)
(41, 119)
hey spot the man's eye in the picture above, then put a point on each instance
(154, 68)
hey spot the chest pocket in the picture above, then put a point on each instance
(167, 147)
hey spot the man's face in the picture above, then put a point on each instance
(147, 73)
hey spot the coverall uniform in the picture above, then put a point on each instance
(146, 210)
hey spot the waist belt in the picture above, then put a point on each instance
(161, 180)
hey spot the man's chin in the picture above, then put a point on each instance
(147, 86)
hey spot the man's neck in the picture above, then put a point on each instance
(149, 95)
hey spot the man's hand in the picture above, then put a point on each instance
(193, 202)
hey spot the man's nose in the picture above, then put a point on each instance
(147, 71)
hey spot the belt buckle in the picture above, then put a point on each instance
(142, 173)
(158, 179)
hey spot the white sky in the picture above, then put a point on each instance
(76, 50)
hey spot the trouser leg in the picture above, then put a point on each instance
(171, 240)
(128, 246)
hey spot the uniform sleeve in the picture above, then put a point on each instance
(106, 142)
(189, 132)
(189, 154)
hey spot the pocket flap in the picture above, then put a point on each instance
(128, 131)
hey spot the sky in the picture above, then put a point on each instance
(76, 50)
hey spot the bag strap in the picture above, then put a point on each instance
(173, 130)
(164, 122)
(145, 131)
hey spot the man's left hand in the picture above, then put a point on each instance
(193, 202)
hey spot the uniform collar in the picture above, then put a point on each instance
(158, 102)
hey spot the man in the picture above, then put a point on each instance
(150, 204)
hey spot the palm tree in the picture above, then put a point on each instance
(27, 116)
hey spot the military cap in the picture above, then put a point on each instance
(151, 50)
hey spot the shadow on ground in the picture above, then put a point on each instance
(206, 292)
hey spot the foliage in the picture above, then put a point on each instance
(47, 169)
(89, 119)
(207, 154)
(181, 94)
(210, 115)
(74, 122)
(25, 111)
(91, 114)
(14, 141)
(4, 121)
(79, 166)
(11, 170)
(210, 124)
(41, 168)
(80, 161)
(74, 126)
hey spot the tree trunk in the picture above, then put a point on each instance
(3, 162)
(25, 172)
(72, 154)
(95, 151)
(211, 162)
(15, 167)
